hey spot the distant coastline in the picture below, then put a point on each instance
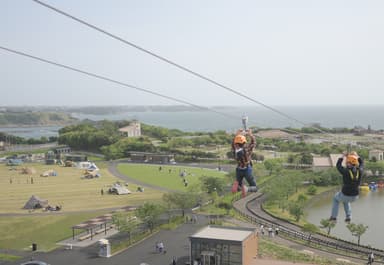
(187, 118)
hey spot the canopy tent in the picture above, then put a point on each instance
(118, 189)
(35, 202)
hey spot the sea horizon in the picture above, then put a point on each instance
(209, 121)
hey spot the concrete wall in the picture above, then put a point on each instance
(250, 249)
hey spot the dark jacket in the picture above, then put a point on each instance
(351, 177)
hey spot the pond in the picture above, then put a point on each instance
(367, 210)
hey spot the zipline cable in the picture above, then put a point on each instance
(177, 65)
(115, 81)
(130, 86)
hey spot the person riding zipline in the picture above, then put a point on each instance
(352, 175)
(243, 156)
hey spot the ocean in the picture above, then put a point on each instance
(326, 116)
(208, 121)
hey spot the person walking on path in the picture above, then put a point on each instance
(371, 258)
(276, 231)
(161, 247)
(243, 156)
(262, 230)
(352, 175)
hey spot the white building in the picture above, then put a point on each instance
(377, 154)
(132, 130)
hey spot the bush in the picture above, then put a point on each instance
(311, 190)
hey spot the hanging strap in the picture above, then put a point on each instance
(352, 176)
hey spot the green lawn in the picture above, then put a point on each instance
(68, 189)
(19, 232)
(168, 176)
(80, 198)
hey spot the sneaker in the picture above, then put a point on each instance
(332, 219)
(244, 190)
(235, 186)
(348, 219)
(252, 189)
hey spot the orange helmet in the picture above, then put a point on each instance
(353, 159)
(240, 139)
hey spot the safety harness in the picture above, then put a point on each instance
(354, 178)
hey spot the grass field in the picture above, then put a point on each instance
(68, 189)
(168, 176)
(19, 232)
(80, 198)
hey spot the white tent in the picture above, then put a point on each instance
(118, 189)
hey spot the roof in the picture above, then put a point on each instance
(130, 127)
(94, 222)
(334, 158)
(224, 233)
(326, 161)
(273, 134)
(321, 162)
(375, 151)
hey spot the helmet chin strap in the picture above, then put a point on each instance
(239, 149)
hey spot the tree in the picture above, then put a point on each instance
(311, 190)
(225, 205)
(211, 184)
(327, 178)
(302, 199)
(149, 213)
(297, 210)
(273, 165)
(182, 200)
(327, 224)
(357, 230)
(124, 223)
(306, 158)
(310, 229)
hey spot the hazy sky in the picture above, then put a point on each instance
(278, 52)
